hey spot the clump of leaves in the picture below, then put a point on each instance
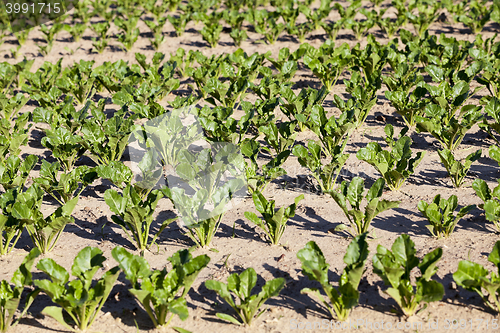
(66, 147)
(326, 174)
(241, 285)
(456, 170)
(11, 295)
(352, 194)
(395, 165)
(80, 298)
(491, 201)
(492, 109)
(259, 177)
(13, 137)
(440, 215)
(394, 267)
(274, 223)
(299, 107)
(101, 29)
(65, 186)
(441, 120)
(161, 292)
(474, 277)
(14, 172)
(328, 62)
(134, 215)
(211, 33)
(346, 296)
(77, 80)
(129, 31)
(106, 139)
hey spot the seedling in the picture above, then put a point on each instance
(456, 170)
(161, 292)
(241, 285)
(274, 223)
(346, 296)
(440, 215)
(80, 299)
(394, 267)
(135, 215)
(474, 277)
(352, 193)
(395, 165)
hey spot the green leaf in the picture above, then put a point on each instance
(228, 318)
(56, 313)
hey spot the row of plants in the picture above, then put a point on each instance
(162, 293)
(267, 18)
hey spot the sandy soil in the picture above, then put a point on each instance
(245, 245)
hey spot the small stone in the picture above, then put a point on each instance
(452, 285)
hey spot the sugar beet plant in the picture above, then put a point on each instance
(394, 267)
(80, 299)
(349, 197)
(22, 209)
(474, 277)
(274, 223)
(214, 179)
(346, 296)
(491, 201)
(10, 298)
(395, 165)
(134, 214)
(439, 213)
(242, 285)
(160, 292)
(457, 171)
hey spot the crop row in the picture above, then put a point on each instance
(162, 293)
(267, 18)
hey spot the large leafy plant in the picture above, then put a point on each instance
(474, 277)
(328, 62)
(274, 223)
(23, 209)
(134, 214)
(66, 147)
(80, 298)
(10, 297)
(14, 172)
(203, 184)
(346, 296)
(456, 170)
(161, 292)
(325, 172)
(448, 129)
(396, 165)
(441, 119)
(349, 197)
(106, 139)
(64, 186)
(491, 201)
(394, 267)
(241, 285)
(439, 213)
